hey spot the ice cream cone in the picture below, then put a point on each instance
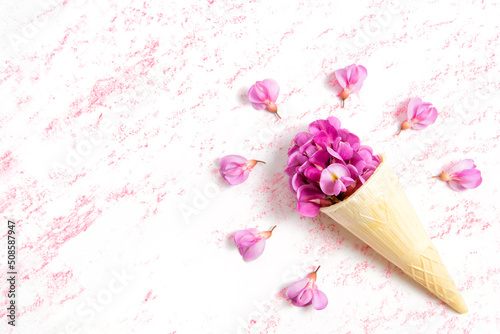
(380, 214)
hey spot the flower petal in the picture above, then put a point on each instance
(261, 91)
(322, 139)
(473, 183)
(334, 154)
(366, 148)
(260, 106)
(298, 181)
(313, 174)
(273, 89)
(358, 77)
(338, 186)
(412, 107)
(308, 209)
(423, 110)
(232, 158)
(293, 149)
(309, 192)
(308, 149)
(319, 299)
(467, 174)
(304, 298)
(247, 241)
(291, 186)
(345, 151)
(232, 169)
(366, 176)
(306, 165)
(460, 166)
(349, 72)
(326, 182)
(296, 159)
(427, 118)
(456, 185)
(469, 178)
(290, 171)
(339, 170)
(320, 158)
(301, 138)
(242, 233)
(255, 95)
(235, 179)
(341, 76)
(334, 121)
(350, 138)
(254, 251)
(293, 290)
(347, 180)
(353, 170)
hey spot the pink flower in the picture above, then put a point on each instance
(420, 115)
(263, 95)
(235, 169)
(251, 242)
(351, 79)
(310, 199)
(463, 175)
(305, 292)
(335, 179)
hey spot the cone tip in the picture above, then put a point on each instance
(461, 307)
(458, 303)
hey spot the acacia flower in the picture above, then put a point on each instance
(310, 199)
(420, 115)
(463, 175)
(235, 169)
(351, 79)
(335, 179)
(263, 95)
(251, 242)
(305, 292)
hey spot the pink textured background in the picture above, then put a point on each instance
(150, 94)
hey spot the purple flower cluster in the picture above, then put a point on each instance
(326, 165)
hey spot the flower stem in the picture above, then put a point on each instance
(397, 134)
(273, 228)
(278, 115)
(260, 161)
(317, 269)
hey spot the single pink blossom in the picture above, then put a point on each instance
(463, 175)
(251, 242)
(420, 115)
(263, 95)
(335, 179)
(351, 79)
(235, 169)
(305, 292)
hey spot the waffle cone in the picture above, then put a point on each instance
(380, 214)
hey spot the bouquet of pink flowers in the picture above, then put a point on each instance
(326, 165)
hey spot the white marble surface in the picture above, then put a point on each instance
(115, 113)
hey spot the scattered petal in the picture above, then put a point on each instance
(235, 169)
(263, 95)
(419, 115)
